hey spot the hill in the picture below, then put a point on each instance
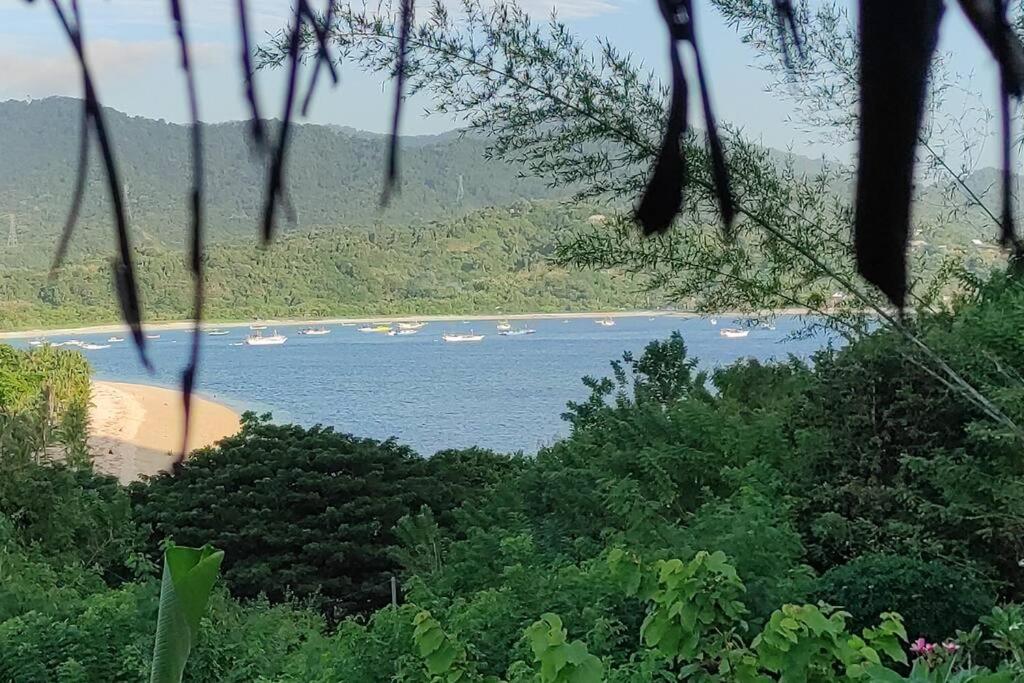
(492, 259)
(334, 180)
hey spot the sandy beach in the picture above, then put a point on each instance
(185, 325)
(136, 430)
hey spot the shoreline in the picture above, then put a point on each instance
(135, 430)
(289, 322)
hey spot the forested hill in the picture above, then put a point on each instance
(489, 260)
(334, 179)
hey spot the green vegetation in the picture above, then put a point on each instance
(494, 259)
(334, 178)
(850, 520)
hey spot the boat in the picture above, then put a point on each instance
(314, 331)
(37, 342)
(380, 329)
(72, 342)
(402, 333)
(605, 322)
(257, 326)
(114, 340)
(257, 339)
(504, 326)
(411, 326)
(517, 333)
(733, 333)
(94, 347)
(218, 333)
(714, 321)
(462, 337)
(152, 336)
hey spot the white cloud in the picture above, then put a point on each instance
(570, 9)
(34, 74)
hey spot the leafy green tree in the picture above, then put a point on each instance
(304, 513)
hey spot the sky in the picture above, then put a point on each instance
(132, 51)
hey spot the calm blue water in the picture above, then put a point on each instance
(504, 393)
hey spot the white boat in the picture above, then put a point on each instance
(114, 340)
(605, 322)
(95, 347)
(152, 336)
(461, 337)
(72, 342)
(714, 321)
(733, 333)
(517, 333)
(218, 333)
(411, 326)
(314, 331)
(257, 339)
(257, 326)
(402, 333)
(36, 342)
(504, 326)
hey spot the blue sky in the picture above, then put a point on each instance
(133, 53)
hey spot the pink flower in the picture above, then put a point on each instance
(919, 646)
(950, 646)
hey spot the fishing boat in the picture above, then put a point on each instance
(257, 326)
(218, 333)
(517, 333)
(314, 331)
(504, 326)
(462, 337)
(257, 339)
(605, 322)
(411, 326)
(94, 347)
(115, 340)
(733, 333)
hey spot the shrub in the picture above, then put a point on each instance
(934, 598)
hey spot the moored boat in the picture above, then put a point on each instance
(314, 331)
(218, 333)
(114, 340)
(380, 329)
(462, 337)
(504, 326)
(605, 322)
(94, 347)
(733, 333)
(517, 333)
(257, 339)
(411, 326)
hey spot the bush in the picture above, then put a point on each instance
(305, 513)
(934, 598)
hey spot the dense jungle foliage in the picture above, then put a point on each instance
(846, 519)
(333, 175)
(489, 260)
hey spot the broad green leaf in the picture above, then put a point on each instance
(188, 578)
